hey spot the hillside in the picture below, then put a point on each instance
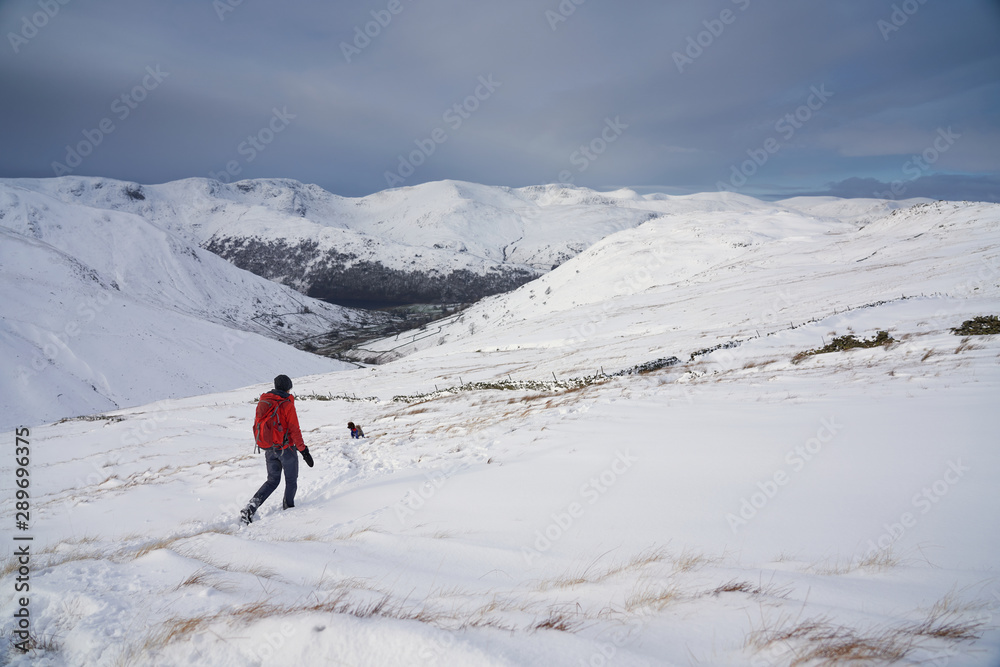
(444, 242)
(745, 503)
(103, 309)
(740, 275)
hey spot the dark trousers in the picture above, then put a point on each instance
(278, 460)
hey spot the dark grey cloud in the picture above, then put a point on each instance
(755, 96)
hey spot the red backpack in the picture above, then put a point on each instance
(267, 427)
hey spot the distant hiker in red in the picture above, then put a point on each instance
(356, 431)
(276, 431)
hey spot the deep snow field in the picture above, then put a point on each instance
(520, 504)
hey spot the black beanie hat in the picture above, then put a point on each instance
(283, 383)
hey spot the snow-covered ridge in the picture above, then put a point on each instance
(443, 241)
(102, 308)
(676, 278)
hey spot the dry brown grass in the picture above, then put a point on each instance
(37, 642)
(967, 344)
(593, 574)
(348, 601)
(652, 595)
(947, 620)
(443, 534)
(880, 561)
(558, 621)
(759, 363)
(829, 644)
(150, 547)
(822, 642)
(689, 561)
(756, 591)
(735, 586)
(358, 531)
(204, 576)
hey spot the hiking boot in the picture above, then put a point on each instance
(285, 505)
(246, 515)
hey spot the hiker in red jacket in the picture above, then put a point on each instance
(276, 429)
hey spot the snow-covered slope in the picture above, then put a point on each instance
(745, 506)
(719, 276)
(101, 309)
(446, 241)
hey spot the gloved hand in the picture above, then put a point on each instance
(307, 457)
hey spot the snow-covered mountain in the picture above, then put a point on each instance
(101, 309)
(724, 275)
(447, 241)
(746, 504)
(440, 242)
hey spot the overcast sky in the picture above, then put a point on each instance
(898, 98)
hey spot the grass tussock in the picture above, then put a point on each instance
(881, 560)
(358, 531)
(735, 586)
(121, 550)
(967, 344)
(762, 363)
(822, 642)
(984, 325)
(654, 595)
(689, 561)
(35, 643)
(593, 574)
(150, 547)
(351, 602)
(848, 342)
(558, 621)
